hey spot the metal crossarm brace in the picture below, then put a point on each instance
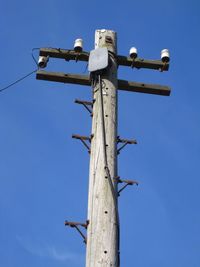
(125, 142)
(127, 182)
(121, 60)
(76, 226)
(85, 104)
(83, 139)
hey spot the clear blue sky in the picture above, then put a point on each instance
(44, 173)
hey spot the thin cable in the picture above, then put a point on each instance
(85, 69)
(107, 168)
(27, 75)
(17, 81)
(34, 59)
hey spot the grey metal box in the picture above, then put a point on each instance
(98, 59)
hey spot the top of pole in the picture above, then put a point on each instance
(106, 38)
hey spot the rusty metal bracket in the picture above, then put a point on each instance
(124, 142)
(126, 182)
(87, 104)
(132, 64)
(163, 68)
(83, 139)
(77, 56)
(76, 226)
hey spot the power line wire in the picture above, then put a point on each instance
(32, 54)
(19, 80)
(27, 75)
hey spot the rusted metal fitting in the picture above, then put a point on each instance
(125, 142)
(126, 183)
(87, 104)
(76, 225)
(84, 140)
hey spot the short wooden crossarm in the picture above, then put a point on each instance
(125, 142)
(76, 226)
(87, 104)
(83, 139)
(73, 224)
(126, 183)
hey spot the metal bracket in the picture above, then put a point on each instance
(83, 139)
(133, 62)
(126, 182)
(163, 68)
(87, 104)
(77, 56)
(76, 226)
(125, 142)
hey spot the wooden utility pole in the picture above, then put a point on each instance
(102, 232)
(102, 225)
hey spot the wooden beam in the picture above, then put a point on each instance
(64, 54)
(144, 88)
(121, 60)
(63, 77)
(85, 80)
(142, 63)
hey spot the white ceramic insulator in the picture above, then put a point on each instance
(133, 52)
(42, 61)
(78, 45)
(165, 55)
